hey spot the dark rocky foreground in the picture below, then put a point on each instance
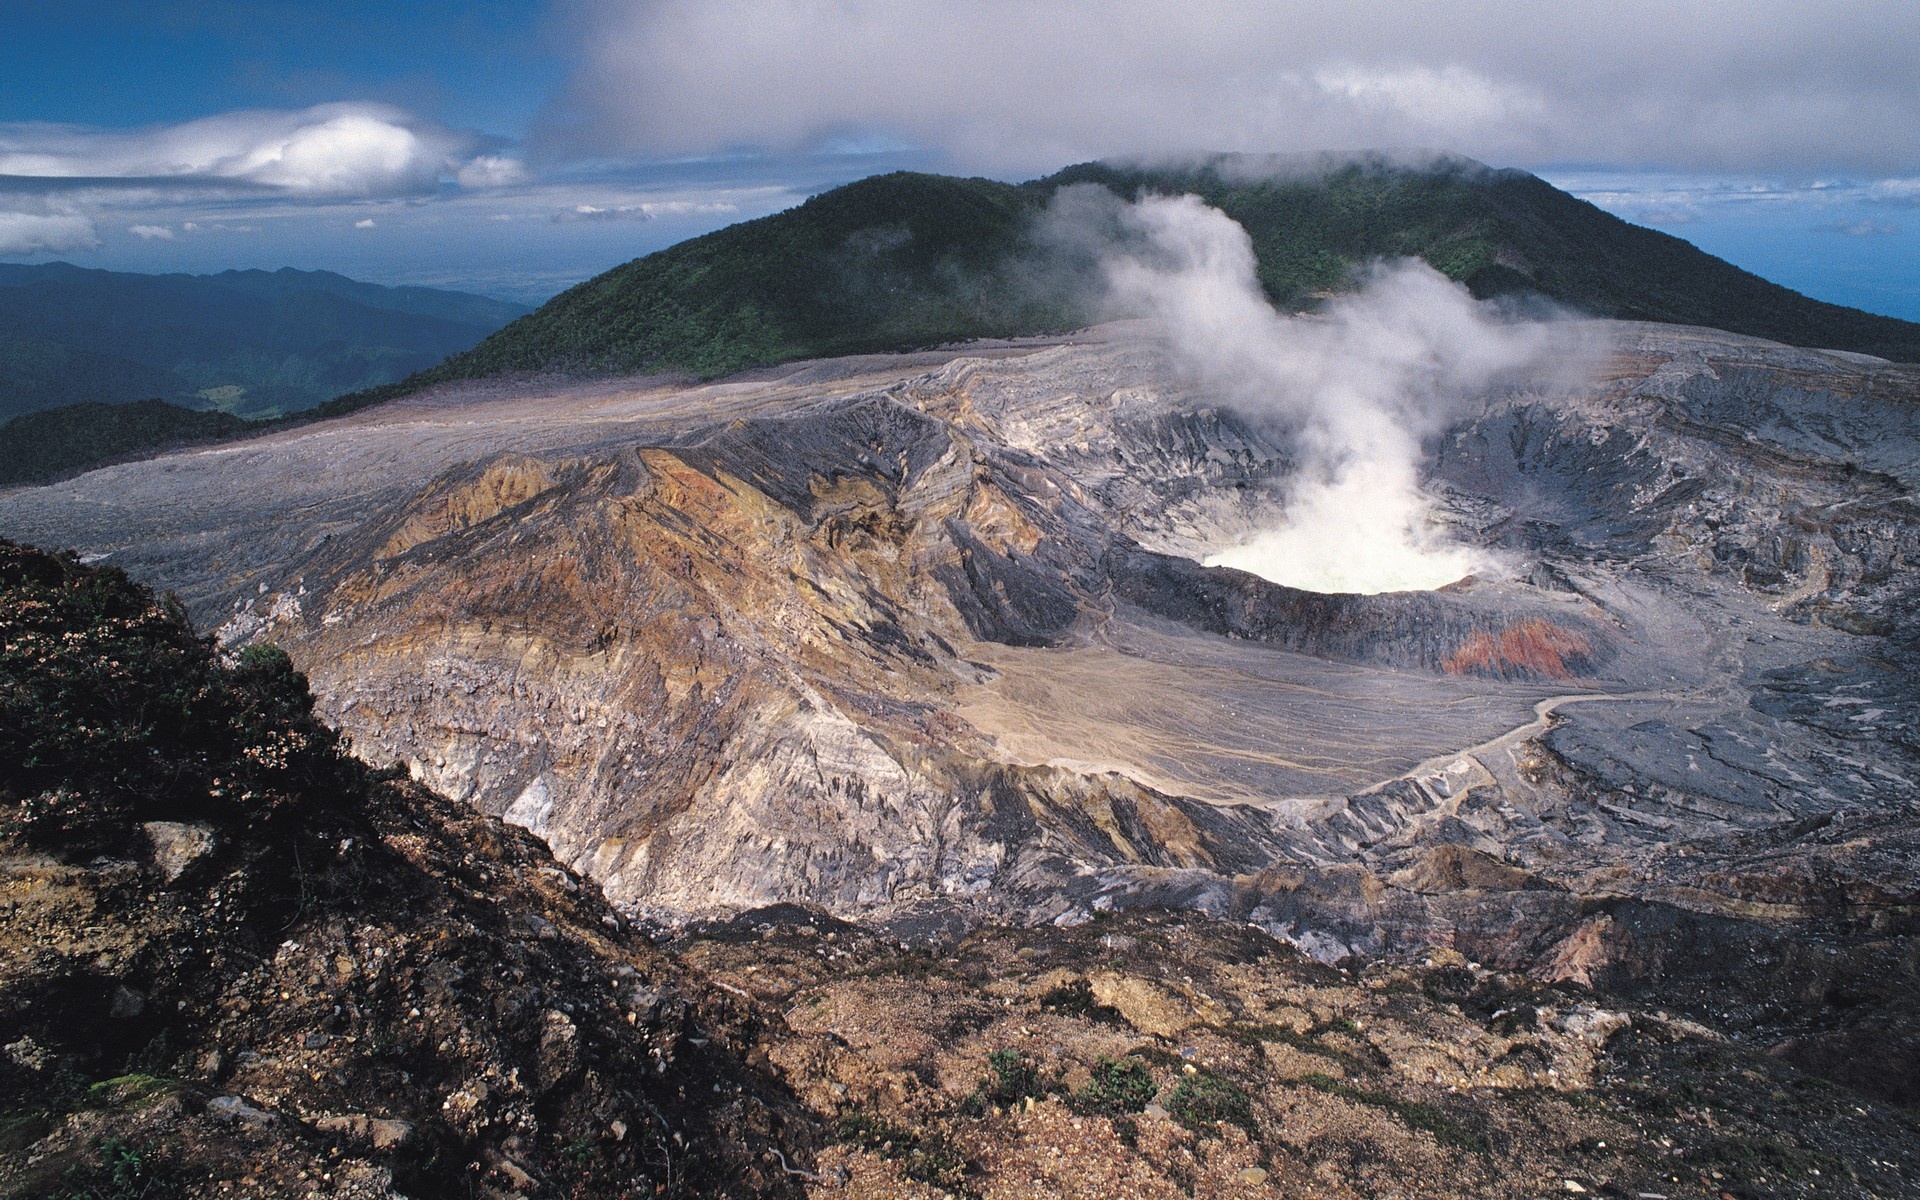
(435, 1010)
(1166, 1055)
(236, 962)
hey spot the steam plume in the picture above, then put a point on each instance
(1360, 387)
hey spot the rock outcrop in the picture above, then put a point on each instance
(328, 981)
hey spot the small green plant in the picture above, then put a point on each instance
(925, 1155)
(128, 1090)
(1119, 1086)
(66, 1092)
(1203, 1101)
(116, 1171)
(1012, 1079)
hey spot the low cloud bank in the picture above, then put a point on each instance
(1015, 87)
(58, 183)
(1357, 387)
(23, 233)
(330, 151)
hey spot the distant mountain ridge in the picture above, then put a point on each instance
(253, 343)
(909, 260)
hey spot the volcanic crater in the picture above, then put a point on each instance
(924, 640)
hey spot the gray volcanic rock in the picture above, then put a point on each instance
(904, 637)
(710, 643)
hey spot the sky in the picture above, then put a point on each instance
(515, 147)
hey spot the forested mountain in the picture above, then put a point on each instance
(253, 343)
(909, 260)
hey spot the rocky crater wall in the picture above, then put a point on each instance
(924, 637)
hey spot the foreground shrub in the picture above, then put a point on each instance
(1118, 1087)
(1203, 1101)
(925, 1155)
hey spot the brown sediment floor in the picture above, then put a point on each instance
(1227, 722)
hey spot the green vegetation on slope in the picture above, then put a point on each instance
(889, 262)
(1311, 226)
(40, 447)
(904, 261)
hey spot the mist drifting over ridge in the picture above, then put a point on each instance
(1358, 387)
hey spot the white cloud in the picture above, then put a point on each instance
(1902, 192)
(364, 223)
(330, 151)
(645, 211)
(350, 154)
(683, 208)
(23, 234)
(1445, 99)
(1663, 198)
(1862, 228)
(492, 171)
(164, 179)
(597, 212)
(1015, 86)
(1668, 217)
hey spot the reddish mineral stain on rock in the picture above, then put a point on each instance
(1533, 647)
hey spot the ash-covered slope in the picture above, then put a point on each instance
(758, 642)
(903, 261)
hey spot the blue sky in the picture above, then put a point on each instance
(485, 64)
(515, 147)
(1853, 241)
